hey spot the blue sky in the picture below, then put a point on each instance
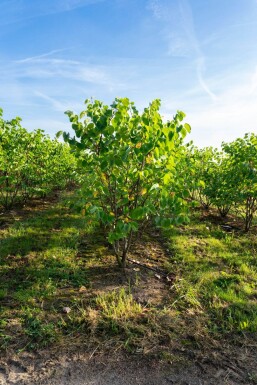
(198, 56)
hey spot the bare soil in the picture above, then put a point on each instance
(45, 368)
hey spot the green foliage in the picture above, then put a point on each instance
(31, 164)
(207, 175)
(220, 183)
(224, 179)
(242, 155)
(129, 160)
(197, 166)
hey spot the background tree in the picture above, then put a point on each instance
(31, 164)
(242, 154)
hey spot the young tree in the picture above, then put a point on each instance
(197, 166)
(130, 166)
(242, 155)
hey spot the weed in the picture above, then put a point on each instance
(40, 333)
(252, 377)
(118, 305)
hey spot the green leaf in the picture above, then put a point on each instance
(187, 127)
(138, 213)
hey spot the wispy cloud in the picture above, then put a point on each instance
(200, 68)
(43, 66)
(43, 55)
(177, 22)
(57, 84)
(55, 103)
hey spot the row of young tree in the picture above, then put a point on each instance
(134, 168)
(225, 179)
(31, 164)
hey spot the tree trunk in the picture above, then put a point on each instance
(250, 209)
(121, 251)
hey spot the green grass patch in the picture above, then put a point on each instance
(216, 275)
(39, 268)
(59, 283)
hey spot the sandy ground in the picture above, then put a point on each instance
(32, 369)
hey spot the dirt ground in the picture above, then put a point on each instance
(40, 368)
